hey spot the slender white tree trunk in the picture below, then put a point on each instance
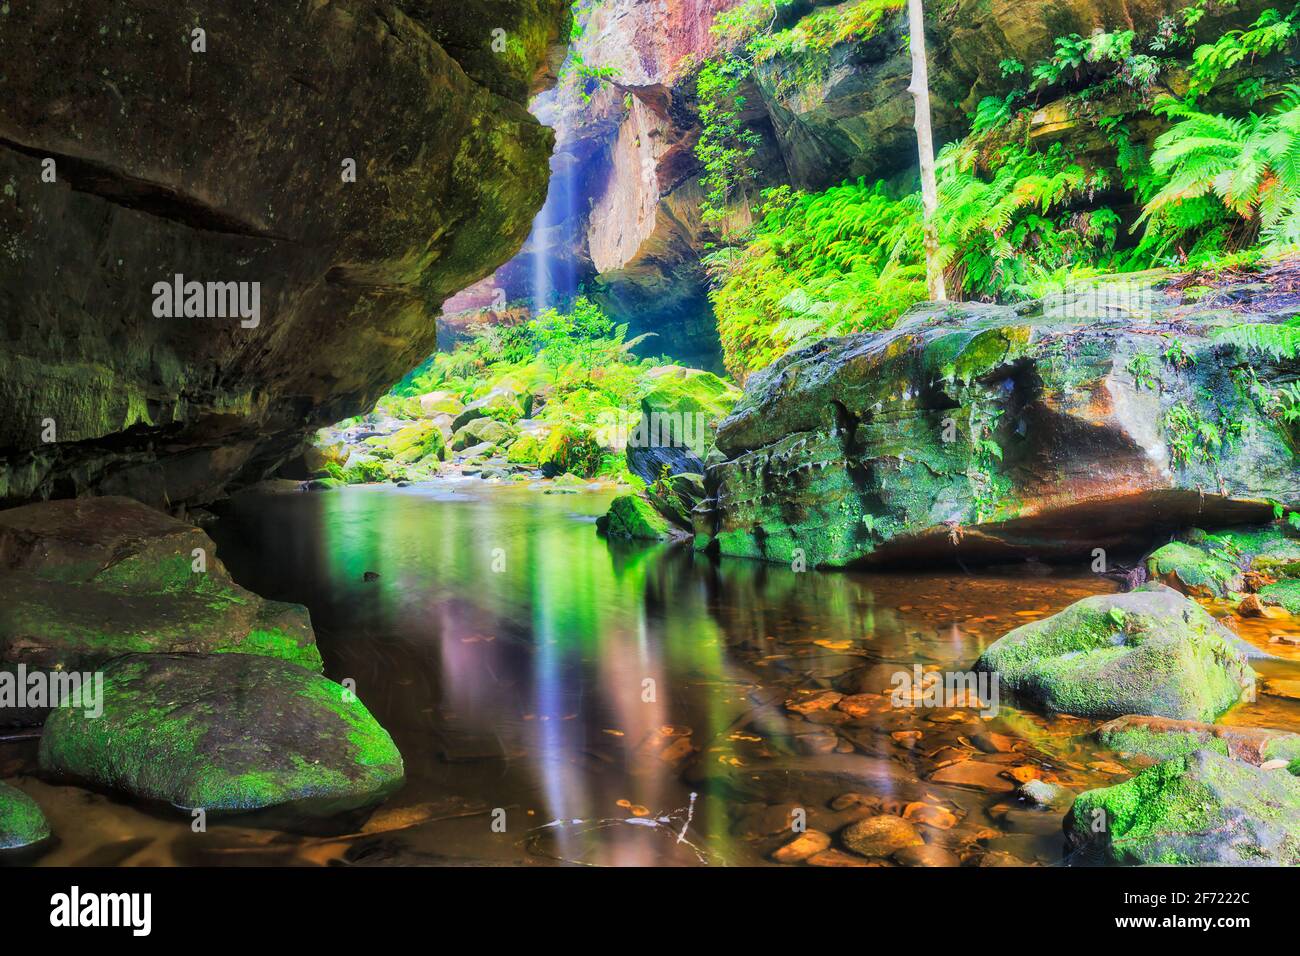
(920, 90)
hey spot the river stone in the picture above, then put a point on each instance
(1193, 571)
(1152, 651)
(21, 821)
(481, 431)
(837, 451)
(880, 836)
(1200, 808)
(88, 579)
(225, 732)
(500, 403)
(1163, 739)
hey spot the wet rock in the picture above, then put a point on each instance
(974, 775)
(632, 516)
(1276, 687)
(1163, 739)
(880, 836)
(835, 858)
(1151, 651)
(813, 465)
(930, 815)
(678, 416)
(1041, 793)
(817, 700)
(846, 800)
(1200, 808)
(88, 579)
(812, 744)
(803, 846)
(225, 732)
(926, 856)
(21, 821)
(993, 743)
(1250, 606)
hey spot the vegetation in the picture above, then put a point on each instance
(1015, 221)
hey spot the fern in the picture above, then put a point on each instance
(1279, 341)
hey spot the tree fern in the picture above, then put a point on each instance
(1280, 341)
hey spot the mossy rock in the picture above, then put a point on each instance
(683, 406)
(501, 404)
(1193, 571)
(1163, 739)
(91, 580)
(1285, 594)
(417, 442)
(633, 516)
(1152, 651)
(21, 821)
(526, 450)
(1196, 809)
(225, 733)
(437, 403)
(482, 430)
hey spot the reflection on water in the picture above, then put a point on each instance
(558, 697)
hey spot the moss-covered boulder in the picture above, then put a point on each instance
(1152, 651)
(1199, 808)
(21, 821)
(1284, 594)
(1161, 738)
(437, 403)
(1194, 571)
(482, 430)
(995, 433)
(633, 516)
(571, 449)
(417, 442)
(225, 732)
(677, 423)
(503, 404)
(1219, 564)
(86, 580)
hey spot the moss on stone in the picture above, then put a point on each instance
(1151, 651)
(21, 821)
(1193, 571)
(633, 516)
(1197, 808)
(225, 732)
(1285, 593)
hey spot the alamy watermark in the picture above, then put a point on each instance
(655, 430)
(41, 690)
(208, 300)
(956, 689)
(1130, 298)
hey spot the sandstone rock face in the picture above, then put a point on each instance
(225, 733)
(227, 166)
(979, 432)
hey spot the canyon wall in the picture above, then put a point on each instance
(824, 111)
(213, 141)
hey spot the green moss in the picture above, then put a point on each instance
(21, 821)
(1165, 657)
(273, 642)
(1285, 593)
(1198, 572)
(225, 733)
(632, 516)
(1141, 740)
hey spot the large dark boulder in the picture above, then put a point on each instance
(225, 732)
(985, 432)
(86, 580)
(227, 166)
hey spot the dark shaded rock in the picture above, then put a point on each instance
(678, 417)
(225, 732)
(992, 433)
(21, 821)
(225, 166)
(1152, 651)
(86, 580)
(1200, 808)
